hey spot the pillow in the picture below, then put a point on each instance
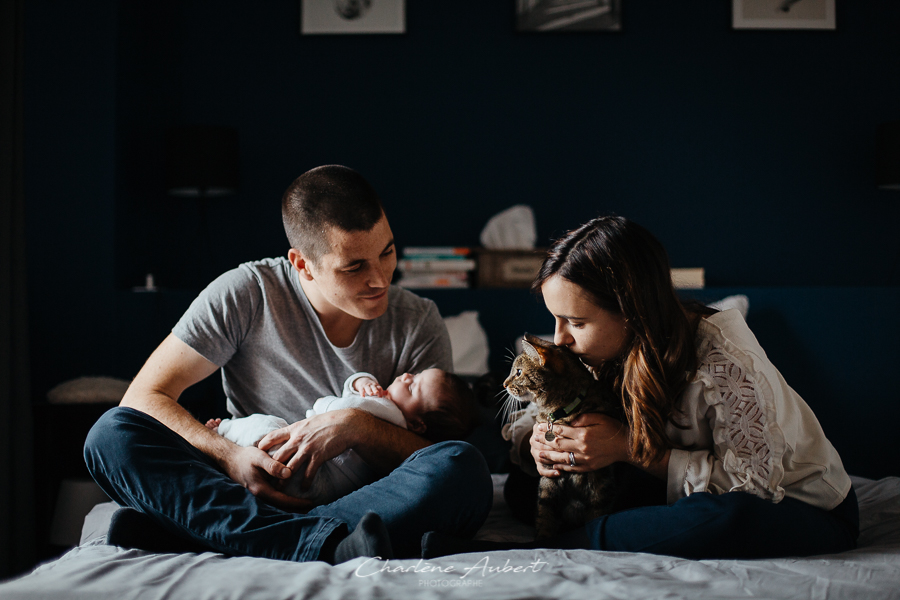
(86, 390)
(738, 301)
(469, 343)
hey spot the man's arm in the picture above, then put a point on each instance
(382, 445)
(172, 368)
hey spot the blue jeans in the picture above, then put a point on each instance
(732, 525)
(142, 464)
(704, 525)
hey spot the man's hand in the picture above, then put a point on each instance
(311, 442)
(258, 472)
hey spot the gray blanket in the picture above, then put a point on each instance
(96, 571)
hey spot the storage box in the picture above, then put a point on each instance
(689, 279)
(508, 268)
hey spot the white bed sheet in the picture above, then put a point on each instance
(95, 570)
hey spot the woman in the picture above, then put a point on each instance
(748, 472)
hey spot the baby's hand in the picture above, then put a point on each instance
(213, 424)
(370, 388)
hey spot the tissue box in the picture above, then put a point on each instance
(508, 268)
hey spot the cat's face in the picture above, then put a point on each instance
(548, 375)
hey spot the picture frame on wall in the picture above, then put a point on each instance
(549, 16)
(783, 14)
(352, 16)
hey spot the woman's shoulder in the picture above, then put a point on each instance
(726, 331)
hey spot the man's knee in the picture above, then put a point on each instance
(461, 466)
(111, 441)
(464, 476)
(102, 439)
(459, 457)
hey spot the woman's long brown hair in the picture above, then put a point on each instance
(626, 271)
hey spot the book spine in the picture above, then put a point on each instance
(434, 280)
(407, 256)
(439, 264)
(436, 251)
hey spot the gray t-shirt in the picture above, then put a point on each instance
(257, 324)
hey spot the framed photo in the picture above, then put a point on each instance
(568, 15)
(352, 16)
(782, 14)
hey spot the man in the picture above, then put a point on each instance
(284, 332)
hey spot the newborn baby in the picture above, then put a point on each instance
(434, 404)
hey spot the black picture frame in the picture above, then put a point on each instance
(563, 16)
(328, 17)
(783, 14)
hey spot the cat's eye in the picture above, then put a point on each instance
(518, 372)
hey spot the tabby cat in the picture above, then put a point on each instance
(555, 380)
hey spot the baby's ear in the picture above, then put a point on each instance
(416, 426)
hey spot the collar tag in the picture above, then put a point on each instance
(565, 412)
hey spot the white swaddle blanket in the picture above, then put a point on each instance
(340, 475)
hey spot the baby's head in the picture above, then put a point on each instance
(436, 404)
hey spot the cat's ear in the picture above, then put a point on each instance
(532, 352)
(544, 352)
(536, 341)
(537, 348)
(553, 360)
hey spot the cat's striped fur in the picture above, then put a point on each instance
(552, 377)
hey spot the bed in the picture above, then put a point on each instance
(96, 570)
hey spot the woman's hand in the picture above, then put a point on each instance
(594, 440)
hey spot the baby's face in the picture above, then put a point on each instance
(415, 394)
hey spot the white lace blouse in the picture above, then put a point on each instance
(747, 430)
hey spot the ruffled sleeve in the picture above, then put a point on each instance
(743, 428)
(748, 445)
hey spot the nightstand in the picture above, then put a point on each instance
(59, 434)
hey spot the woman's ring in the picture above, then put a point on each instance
(571, 459)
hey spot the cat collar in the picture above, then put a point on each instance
(562, 413)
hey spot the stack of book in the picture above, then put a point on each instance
(436, 267)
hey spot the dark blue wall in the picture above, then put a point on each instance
(747, 152)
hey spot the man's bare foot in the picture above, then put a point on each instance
(214, 424)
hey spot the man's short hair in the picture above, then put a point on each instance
(326, 197)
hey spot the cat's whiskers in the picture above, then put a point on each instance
(511, 354)
(510, 405)
(556, 382)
